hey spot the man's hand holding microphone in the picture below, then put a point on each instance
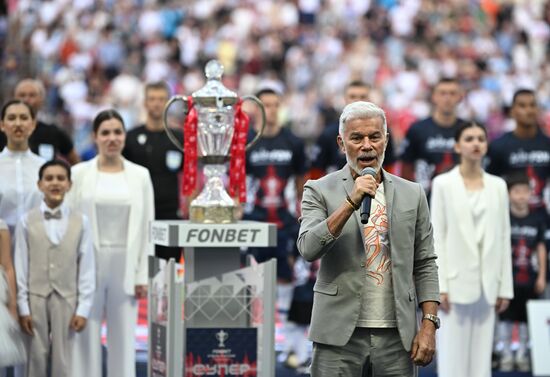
(364, 190)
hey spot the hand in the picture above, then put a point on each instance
(444, 305)
(140, 291)
(78, 323)
(540, 285)
(502, 304)
(423, 346)
(25, 322)
(364, 185)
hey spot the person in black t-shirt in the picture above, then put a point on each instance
(525, 149)
(47, 140)
(148, 145)
(428, 147)
(326, 155)
(529, 268)
(271, 163)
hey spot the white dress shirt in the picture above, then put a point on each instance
(55, 230)
(18, 190)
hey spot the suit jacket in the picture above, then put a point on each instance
(342, 275)
(464, 270)
(142, 212)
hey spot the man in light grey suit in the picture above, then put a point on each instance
(371, 275)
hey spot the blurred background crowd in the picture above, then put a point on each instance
(94, 54)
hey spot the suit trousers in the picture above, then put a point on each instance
(51, 317)
(465, 340)
(119, 310)
(370, 352)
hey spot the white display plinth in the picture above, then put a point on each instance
(213, 283)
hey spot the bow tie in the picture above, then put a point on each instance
(56, 215)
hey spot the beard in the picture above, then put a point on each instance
(355, 167)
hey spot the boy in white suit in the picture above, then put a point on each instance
(55, 269)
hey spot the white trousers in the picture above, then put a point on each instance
(465, 340)
(51, 317)
(120, 313)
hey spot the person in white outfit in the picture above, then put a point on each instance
(18, 170)
(117, 196)
(18, 165)
(12, 349)
(54, 264)
(471, 224)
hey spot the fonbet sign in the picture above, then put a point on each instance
(185, 233)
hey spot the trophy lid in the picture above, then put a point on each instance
(214, 91)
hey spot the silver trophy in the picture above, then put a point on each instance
(215, 107)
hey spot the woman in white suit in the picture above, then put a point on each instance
(471, 224)
(117, 196)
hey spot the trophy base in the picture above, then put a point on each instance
(212, 215)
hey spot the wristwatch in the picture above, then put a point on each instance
(434, 319)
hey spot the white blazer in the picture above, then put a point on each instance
(142, 212)
(463, 273)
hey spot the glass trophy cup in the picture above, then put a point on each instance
(213, 121)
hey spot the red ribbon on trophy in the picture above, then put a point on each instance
(237, 163)
(189, 179)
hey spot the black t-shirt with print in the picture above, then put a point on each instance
(527, 232)
(270, 163)
(430, 148)
(509, 154)
(153, 150)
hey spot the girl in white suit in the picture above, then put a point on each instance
(471, 226)
(117, 196)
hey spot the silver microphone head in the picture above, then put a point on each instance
(368, 171)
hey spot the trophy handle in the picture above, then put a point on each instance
(261, 106)
(169, 133)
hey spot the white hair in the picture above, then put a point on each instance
(361, 110)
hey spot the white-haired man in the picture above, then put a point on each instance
(371, 275)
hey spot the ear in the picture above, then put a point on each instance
(340, 142)
(456, 148)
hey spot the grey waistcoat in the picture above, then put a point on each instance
(53, 267)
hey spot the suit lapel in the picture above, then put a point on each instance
(490, 198)
(133, 184)
(461, 205)
(389, 190)
(90, 183)
(348, 183)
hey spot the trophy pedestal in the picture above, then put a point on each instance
(213, 205)
(212, 215)
(221, 301)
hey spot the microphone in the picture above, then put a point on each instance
(365, 204)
